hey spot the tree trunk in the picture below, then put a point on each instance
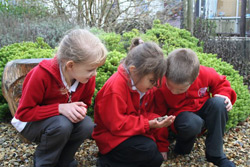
(79, 12)
(184, 14)
(243, 18)
(12, 81)
(190, 17)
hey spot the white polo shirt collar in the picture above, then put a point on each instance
(71, 88)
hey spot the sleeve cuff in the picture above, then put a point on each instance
(146, 125)
(163, 149)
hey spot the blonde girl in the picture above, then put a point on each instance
(55, 96)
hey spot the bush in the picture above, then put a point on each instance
(27, 21)
(230, 49)
(166, 36)
(24, 50)
(17, 30)
(105, 71)
(241, 108)
(183, 39)
(29, 9)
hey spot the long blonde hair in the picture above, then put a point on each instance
(80, 46)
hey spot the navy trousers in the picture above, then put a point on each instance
(137, 151)
(58, 140)
(212, 116)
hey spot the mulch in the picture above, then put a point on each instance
(15, 153)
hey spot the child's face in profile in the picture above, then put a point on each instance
(177, 88)
(145, 83)
(82, 72)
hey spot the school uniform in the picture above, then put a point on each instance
(38, 118)
(122, 132)
(195, 110)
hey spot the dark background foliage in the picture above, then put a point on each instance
(230, 49)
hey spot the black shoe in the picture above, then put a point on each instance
(34, 160)
(180, 151)
(220, 161)
(73, 163)
(226, 163)
(184, 147)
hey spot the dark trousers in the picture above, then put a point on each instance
(212, 116)
(137, 151)
(58, 139)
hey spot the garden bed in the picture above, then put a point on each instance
(14, 152)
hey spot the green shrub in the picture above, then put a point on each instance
(24, 50)
(128, 36)
(18, 30)
(241, 108)
(171, 38)
(112, 41)
(25, 21)
(105, 71)
(166, 36)
(5, 115)
(29, 9)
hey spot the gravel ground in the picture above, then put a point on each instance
(15, 153)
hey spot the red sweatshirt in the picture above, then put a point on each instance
(119, 114)
(208, 81)
(41, 93)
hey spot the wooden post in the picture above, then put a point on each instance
(184, 14)
(190, 15)
(243, 18)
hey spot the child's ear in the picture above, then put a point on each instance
(131, 69)
(69, 64)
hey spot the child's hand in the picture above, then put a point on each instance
(75, 112)
(164, 123)
(164, 155)
(227, 101)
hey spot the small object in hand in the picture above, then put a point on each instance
(159, 119)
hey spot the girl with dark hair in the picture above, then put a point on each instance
(126, 126)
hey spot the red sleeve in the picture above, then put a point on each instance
(34, 87)
(160, 104)
(113, 113)
(218, 84)
(160, 134)
(161, 137)
(152, 116)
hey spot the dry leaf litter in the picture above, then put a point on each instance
(15, 153)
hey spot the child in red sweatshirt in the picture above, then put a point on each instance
(186, 93)
(125, 122)
(55, 96)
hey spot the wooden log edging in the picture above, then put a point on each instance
(12, 80)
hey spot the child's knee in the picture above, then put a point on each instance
(60, 127)
(86, 127)
(190, 126)
(218, 106)
(151, 152)
(157, 159)
(218, 102)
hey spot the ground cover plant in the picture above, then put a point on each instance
(166, 36)
(23, 50)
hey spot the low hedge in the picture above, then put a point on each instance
(24, 50)
(166, 36)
